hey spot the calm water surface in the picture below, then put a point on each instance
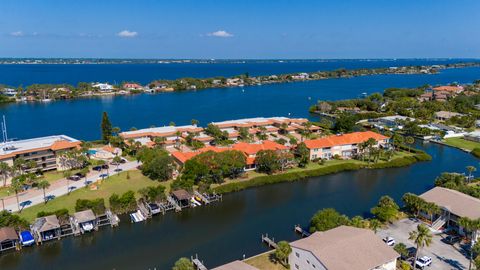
(81, 118)
(144, 73)
(223, 232)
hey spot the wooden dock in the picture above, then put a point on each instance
(197, 263)
(171, 200)
(108, 219)
(270, 242)
(298, 229)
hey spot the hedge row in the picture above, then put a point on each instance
(286, 177)
(294, 176)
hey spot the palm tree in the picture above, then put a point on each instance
(470, 226)
(421, 237)
(16, 187)
(194, 122)
(409, 140)
(5, 171)
(470, 170)
(375, 224)
(44, 185)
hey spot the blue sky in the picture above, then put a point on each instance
(239, 29)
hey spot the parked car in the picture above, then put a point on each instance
(390, 241)
(423, 261)
(97, 168)
(103, 175)
(105, 166)
(81, 175)
(451, 239)
(410, 254)
(118, 170)
(74, 177)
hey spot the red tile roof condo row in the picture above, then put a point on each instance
(159, 131)
(345, 145)
(448, 88)
(259, 121)
(250, 151)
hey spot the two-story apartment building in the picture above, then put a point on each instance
(344, 145)
(453, 205)
(342, 248)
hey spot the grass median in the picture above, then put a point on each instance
(114, 184)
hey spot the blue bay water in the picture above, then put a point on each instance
(81, 118)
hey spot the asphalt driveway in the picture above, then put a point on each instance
(444, 256)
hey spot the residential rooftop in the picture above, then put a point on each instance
(344, 139)
(454, 201)
(159, 131)
(54, 143)
(248, 122)
(235, 265)
(347, 248)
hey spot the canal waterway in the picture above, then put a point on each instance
(228, 230)
(81, 118)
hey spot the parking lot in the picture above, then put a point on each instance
(444, 256)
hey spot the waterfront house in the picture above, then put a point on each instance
(132, 86)
(445, 115)
(85, 220)
(342, 248)
(45, 151)
(46, 228)
(250, 151)
(103, 87)
(453, 205)
(235, 265)
(10, 92)
(8, 238)
(393, 122)
(343, 145)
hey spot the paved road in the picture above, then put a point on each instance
(60, 187)
(444, 256)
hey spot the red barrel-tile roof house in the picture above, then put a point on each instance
(250, 150)
(344, 145)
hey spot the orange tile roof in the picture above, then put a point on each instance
(254, 148)
(184, 156)
(350, 138)
(60, 145)
(449, 88)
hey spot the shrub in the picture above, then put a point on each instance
(476, 152)
(96, 205)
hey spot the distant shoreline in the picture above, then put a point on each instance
(51, 92)
(127, 61)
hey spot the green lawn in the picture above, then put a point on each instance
(115, 184)
(462, 143)
(265, 262)
(51, 176)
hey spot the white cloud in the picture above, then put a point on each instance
(17, 34)
(127, 34)
(220, 33)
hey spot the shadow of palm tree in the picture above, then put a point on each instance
(453, 263)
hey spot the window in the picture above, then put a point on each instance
(313, 265)
(296, 254)
(296, 266)
(308, 262)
